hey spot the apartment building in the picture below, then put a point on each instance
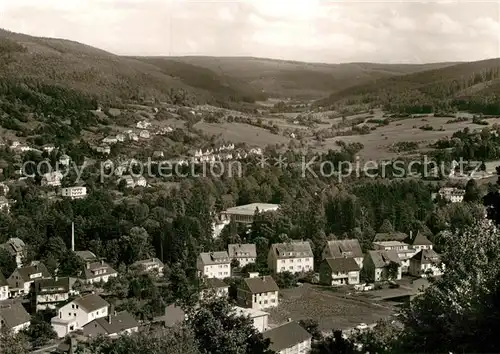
(258, 292)
(214, 265)
(243, 253)
(294, 257)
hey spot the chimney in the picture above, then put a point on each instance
(56, 278)
(411, 235)
(102, 261)
(289, 319)
(88, 265)
(73, 236)
(112, 312)
(253, 274)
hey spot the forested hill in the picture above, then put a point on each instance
(89, 70)
(473, 86)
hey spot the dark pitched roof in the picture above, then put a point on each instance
(14, 245)
(3, 281)
(91, 302)
(119, 322)
(382, 258)
(293, 249)
(95, 266)
(419, 240)
(214, 283)
(28, 271)
(242, 250)
(263, 284)
(391, 236)
(342, 265)
(13, 314)
(286, 336)
(341, 248)
(426, 257)
(54, 286)
(210, 258)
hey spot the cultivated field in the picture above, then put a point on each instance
(242, 133)
(330, 308)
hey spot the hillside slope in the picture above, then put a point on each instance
(97, 72)
(291, 78)
(476, 81)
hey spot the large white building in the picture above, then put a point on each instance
(244, 213)
(77, 313)
(50, 293)
(74, 192)
(214, 265)
(96, 272)
(454, 195)
(294, 257)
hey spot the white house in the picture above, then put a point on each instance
(214, 287)
(149, 265)
(49, 293)
(77, 313)
(419, 242)
(245, 213)
(21, 279)
(52, 179)
(96, 272)
(259, 318)
(214, 265)
(4, 288)
(404, 251)
(4, 204)
(143, 124)
(348, 248)
(103, 149)
(294, 257)
(339, 271)
(382, 265)
(64, 160)
(141, 181)
(144, 134)
(120, 137)
(16, 248)
(48, 148)
(290, 338)
(243, 253)
(113, 325)
(258, 292)
(425, 263)
(14, 317)
(133, 136)
(74, 192)
(109, 140)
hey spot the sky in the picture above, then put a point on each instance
(304, 30)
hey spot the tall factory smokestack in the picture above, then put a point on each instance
(73, 236)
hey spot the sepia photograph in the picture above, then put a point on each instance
(249, 176)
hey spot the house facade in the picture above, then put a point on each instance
(349, 248)
(404, 251)
(14, 317)
(243, 253)
(339, 271)
(52, 179)
(426, 263)
(50, 293)
(259, 318)
(214, 287)
(4, 288)
(382, 265)
(214, 265)
(21, 279)
(258, 293)
(289, 338)
(294, 257)
(74, 192)
(16, 248)
(96, 272)
(453, 195)
(113, 325)
(150, 265)
(77, 313)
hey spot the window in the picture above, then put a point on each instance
(72, 306)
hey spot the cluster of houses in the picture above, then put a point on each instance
(75, 312)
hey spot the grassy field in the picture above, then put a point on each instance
(330, 308)
(242, 133)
